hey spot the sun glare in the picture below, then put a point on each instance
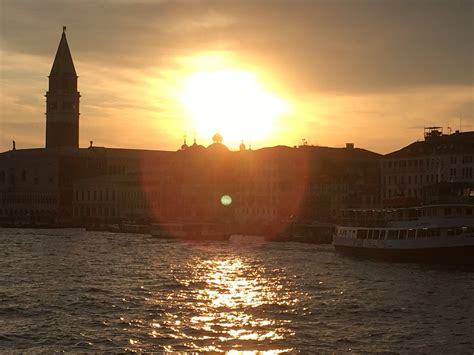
(232, 102)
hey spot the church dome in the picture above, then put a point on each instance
(184, 146)
(218, 147)
(217, 138)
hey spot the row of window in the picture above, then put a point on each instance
(250, 200)
(67, 105)
(258, 211)
(23, 178)
(425, 162)
(28, 199)
(466, 173)
(388, 193)
(95, 195)
(466, 159)
(415, 179)
(25, 212)
(109, 195)
(141, 196)
(403, 234)
(404, 214)
(100, 211)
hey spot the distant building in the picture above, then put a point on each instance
(409, 174)
(35, 184)
(306, 183)
(265, 186)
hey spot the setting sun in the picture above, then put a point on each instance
(232, 102)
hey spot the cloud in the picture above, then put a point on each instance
(336, 45)
(340, 54)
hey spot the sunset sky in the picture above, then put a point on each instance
(268, 72)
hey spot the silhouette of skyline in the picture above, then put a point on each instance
(366, 72)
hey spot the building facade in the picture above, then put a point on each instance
(410, 174)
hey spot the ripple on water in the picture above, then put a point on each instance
(82, 291)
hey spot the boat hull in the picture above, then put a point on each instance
(459, 255)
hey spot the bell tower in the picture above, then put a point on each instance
(62, 100)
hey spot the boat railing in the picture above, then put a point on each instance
(402, 233)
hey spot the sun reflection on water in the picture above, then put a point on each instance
(224, 304)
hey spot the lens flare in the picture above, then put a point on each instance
(226, 200)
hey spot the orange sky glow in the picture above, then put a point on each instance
(151, 73)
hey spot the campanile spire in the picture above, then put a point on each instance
(62, 100)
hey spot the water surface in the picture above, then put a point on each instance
(89, 291)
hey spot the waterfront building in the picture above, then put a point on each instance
(410, 175)
(306, 183)
(260, 188)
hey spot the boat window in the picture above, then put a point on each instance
(423, 233)
(447, 211)
(392, 234)
(411, 234)
(403, 234)
(362, 234)
(376, 234)
(370, 234)
(434, 232)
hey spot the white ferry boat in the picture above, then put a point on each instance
(434, 233)
(190, 231)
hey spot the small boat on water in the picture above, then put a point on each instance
(190, 231)
(433, 233)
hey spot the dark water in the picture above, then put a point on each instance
(85, 291)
